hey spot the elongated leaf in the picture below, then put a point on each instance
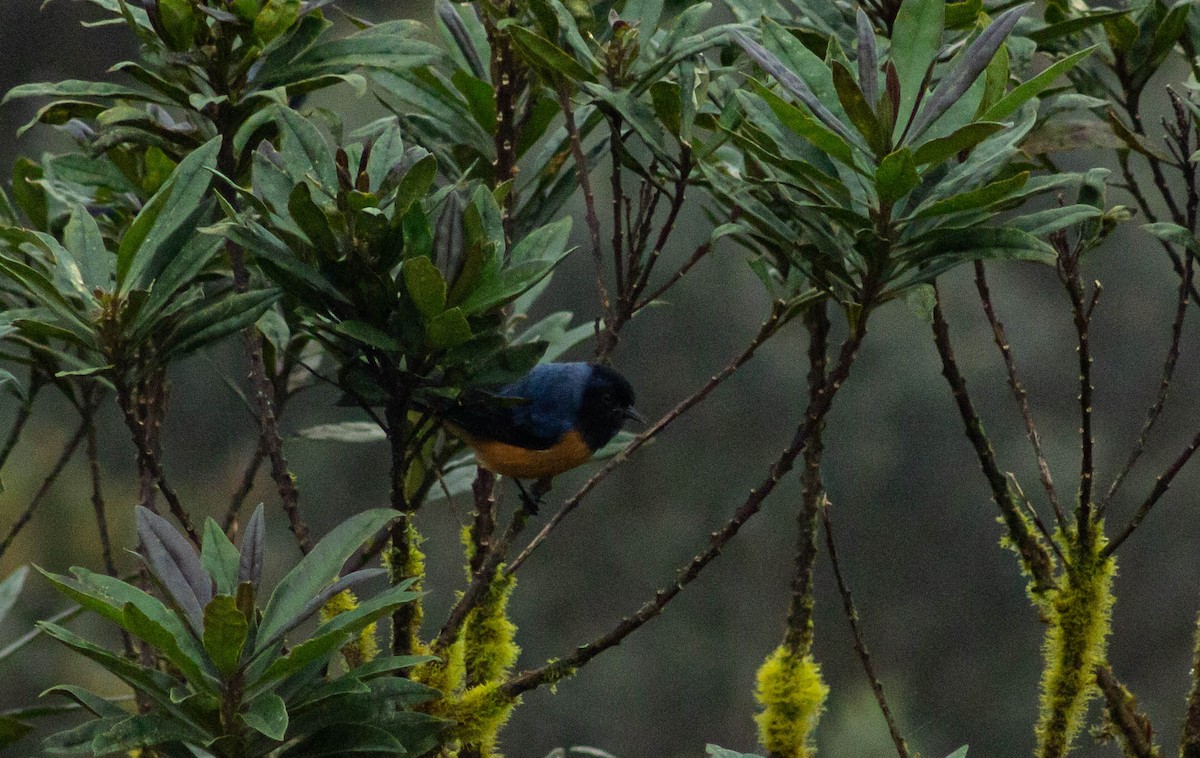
(967, 68)
(82, 237)
(917, 37)
(174, 563)
(175, 641)
(858, 109)
(304, 150)
(425, 285)
(76, 88)
(896, 176)
(315, 604)
(219, 557)
(218, 320)
(989, 194)
(345, 739)
(346, 431)
(78, 740)
(868, 58)
(1034, 86)
(940, 149)
(317, 570)
(166, 222)
(97, 705)
(250, 564)
(1045, 222)
(151, 682)
(546, 57)
(792, 83)
(10, 588)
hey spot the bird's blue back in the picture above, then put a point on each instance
(554, 394)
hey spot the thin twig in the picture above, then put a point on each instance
(559, 668)
(1132, 726)
(244, 488)
(664, 234)
(98, 506)
(23, 415)
(484, 491)
(1168, 372)
(1161, 484)
(860, 645)
(698, 255)
(47, 483)
(765, 331)
(1068, 264)
(1018, 390)
(1033, 554)
(583, 175)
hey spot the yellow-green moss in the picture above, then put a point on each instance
(363, 648)
(792, 694)
(479, 715)
(1079, 622)
(488, 635)
(445, 674)
(406, 561)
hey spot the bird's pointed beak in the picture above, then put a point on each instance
(632, 414)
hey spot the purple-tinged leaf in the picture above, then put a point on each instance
(868, 59)
(970, 65)
(250, 562)
(792, 83)
(174, 563)
(462, 38)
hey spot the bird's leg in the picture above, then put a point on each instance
(531, 503)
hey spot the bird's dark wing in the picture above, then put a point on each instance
(512, 424)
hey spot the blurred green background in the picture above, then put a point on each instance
(951, 632)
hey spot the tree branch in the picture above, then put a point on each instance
(63, 458)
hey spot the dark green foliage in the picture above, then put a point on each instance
(234, 687)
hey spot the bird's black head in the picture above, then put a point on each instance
(607, 404)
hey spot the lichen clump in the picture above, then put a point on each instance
(792, 694)
(1079, 617)
(364, 647)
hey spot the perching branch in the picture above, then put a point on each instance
(98, 506)
(766, 330)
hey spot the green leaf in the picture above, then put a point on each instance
(275, 18)
(802, 124)
(316, 570)
(218, 320)
(965, 69)
(1042, 223)
(178, 19)
(225, 630)
(304, 150)
(173, 639)
(546, 57)
(10, 588)
(448, 329)
(416, 183)
(167, 221)
(92, 702)
(960, 753)
(12, 730)
(82, 238)
(1071, 26)
(896, 175)
(145, 730)
(71, 88)
(79, 739)
(425, 285)
(861, 114)
(941, 149)
(267, 715)
(341, 739)
(312, 220)
(917, 38)
(982, 243)
(219, 557)
(1034, 86)
(368, 335)
(982, 197)
(346, 431)
(28, 193)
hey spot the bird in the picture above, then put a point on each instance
(547, 422)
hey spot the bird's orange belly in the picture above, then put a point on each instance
(520, 463)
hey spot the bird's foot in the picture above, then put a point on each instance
(533, 500)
